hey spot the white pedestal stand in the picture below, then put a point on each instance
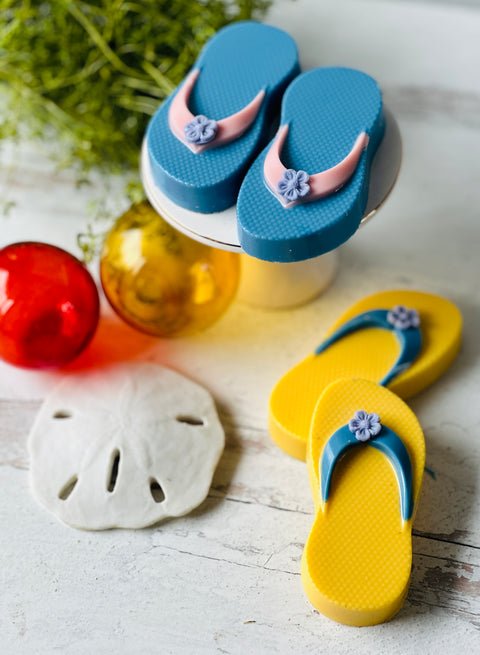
(267, 284)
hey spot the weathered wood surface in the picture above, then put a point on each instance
(226, 578)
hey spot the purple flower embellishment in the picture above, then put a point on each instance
(200, 130)
(293, 185)
(403, 318)
(364, 425)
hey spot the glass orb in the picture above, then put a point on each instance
(49, 305)
(160, 281)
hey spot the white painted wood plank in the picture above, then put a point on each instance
(201, 584)
(226, 578)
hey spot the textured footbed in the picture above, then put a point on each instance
(326, 109)
(125, 446)
(357, 559)
(237, 63)
(369, 353)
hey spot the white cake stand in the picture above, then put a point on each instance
(274, 285)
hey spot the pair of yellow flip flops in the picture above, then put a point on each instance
(340, 410)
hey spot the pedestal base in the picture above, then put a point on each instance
(279, 286)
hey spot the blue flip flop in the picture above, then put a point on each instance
(306, 193)
(203, 138)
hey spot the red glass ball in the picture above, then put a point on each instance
(49, 305)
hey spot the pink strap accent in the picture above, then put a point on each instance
(321, 184)
(229, 128)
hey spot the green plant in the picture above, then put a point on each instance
(85, 76)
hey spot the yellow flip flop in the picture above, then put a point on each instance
(400, 339)
(365, 456)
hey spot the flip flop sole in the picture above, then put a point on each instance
(237, 63)
(357, 560)
(326, 110)
(369, 353)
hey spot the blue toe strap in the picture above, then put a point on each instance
(410, 339)
(386, 442)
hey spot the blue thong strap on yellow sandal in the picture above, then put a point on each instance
(364, 427)
(403, 321)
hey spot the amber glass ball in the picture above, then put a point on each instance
(162, 282)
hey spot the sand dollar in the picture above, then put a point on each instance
(125, 446)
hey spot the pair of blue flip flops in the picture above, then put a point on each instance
(306, 192)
